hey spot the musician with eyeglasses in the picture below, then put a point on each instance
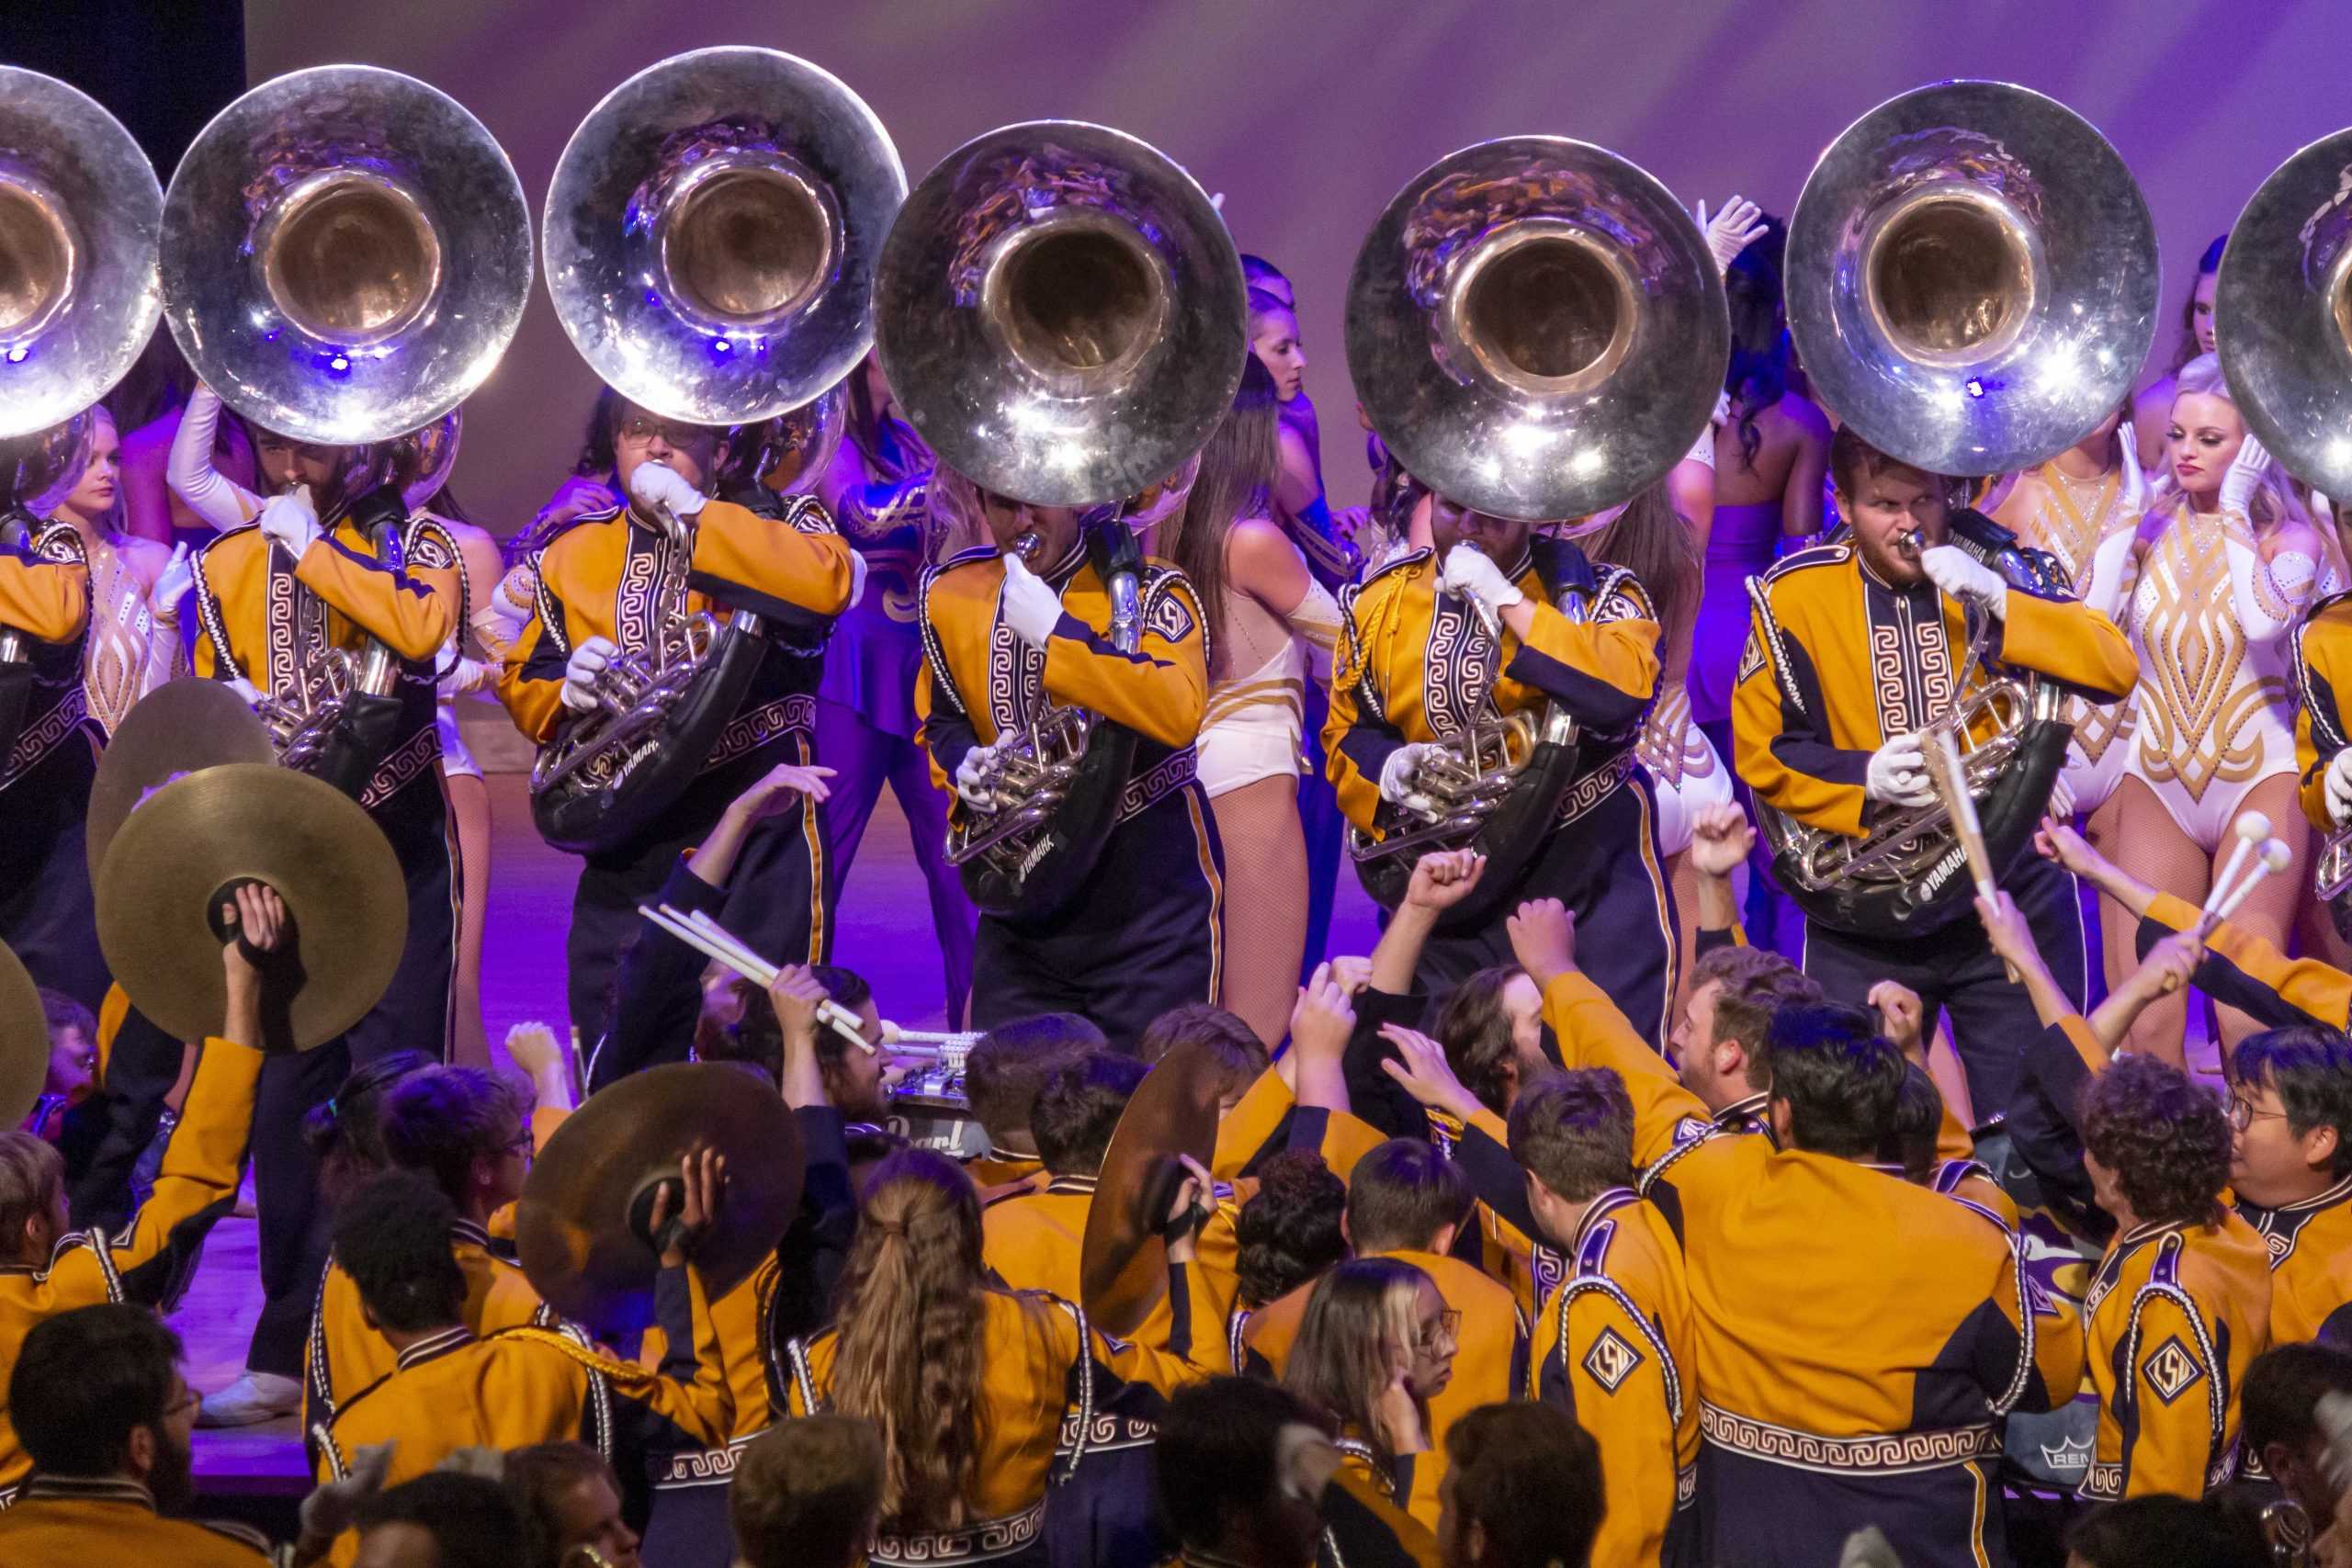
(1003, 636)
(1854, 649)
(613, 587)
(288, 609)
(1417, 667)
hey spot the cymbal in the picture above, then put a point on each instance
(1123, 1270)
(172, 858)
(579, 1228)
(181, 726)
(24, 1043)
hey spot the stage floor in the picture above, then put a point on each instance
(884, 933)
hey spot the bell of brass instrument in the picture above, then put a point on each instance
(1972, 284)
(1061, 312)
(1971, 278)
(79, 208)
(2282, 313)
(1537, 330)
(2282, 324)
(346, 256)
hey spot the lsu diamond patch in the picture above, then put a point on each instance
(1170, 619)
(2171, 1370)
(1751, 658)
(1611, 1361)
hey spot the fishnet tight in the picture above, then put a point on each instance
(1265, 902)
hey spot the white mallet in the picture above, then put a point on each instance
(2252, 828)
(2275, 859)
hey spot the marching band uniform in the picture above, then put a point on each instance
(1053, 1391)
(1412, 663)
(2323, 720)
(1837, 663)
(2310, 1243)
(271, 618)
(47, 915)
(866, 723)
(61, 1520)
(1143, 935)
(1614, 1348)
(615, 574)
(345, 1355)
(1832, 1407)
(452, 1391)
(1490, 1361)
(141, 1262)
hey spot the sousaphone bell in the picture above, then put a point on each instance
(79, 210)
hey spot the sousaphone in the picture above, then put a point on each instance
(1536, 329)
(1972, 287)
(346, 253)
(1061, 314)
(711, 239)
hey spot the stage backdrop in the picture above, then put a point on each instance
(1309, 114)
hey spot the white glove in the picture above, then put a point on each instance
(2243, 473)
(2133, 493)
(857, 570)
(1963, 576)
(580, 671)
(247, 692)
(171, 586)
(1897, 774)
(970, 775)
(334, 1506)
(1402, 771)
(289, 520)
(660, 487)
(2339, 787)
(1731, 231)
(1032, 608)
(463, 675)
(1472, 572)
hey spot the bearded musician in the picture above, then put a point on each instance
(1415, 662)
(1141, 934)
(1854, 650)
(330, 564)
(609, 587)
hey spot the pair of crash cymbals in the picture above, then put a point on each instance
(186, 806)
(1122, 1269)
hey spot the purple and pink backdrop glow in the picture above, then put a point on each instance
(1309, 114)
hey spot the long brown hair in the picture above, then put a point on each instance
(1235, 481)
(908, 1353)
(1651, 540)
(1359, 1318)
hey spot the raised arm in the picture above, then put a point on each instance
(209, 493)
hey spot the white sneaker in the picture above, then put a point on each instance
(251, 1400)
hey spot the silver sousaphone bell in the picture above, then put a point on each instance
(1971, 278)
(79, 210)
(345, 254)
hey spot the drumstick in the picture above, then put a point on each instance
(2252, 828)
(712, 941)
(1952, 783)
(2276, 857)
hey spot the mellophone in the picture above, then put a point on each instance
(929, 1107)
